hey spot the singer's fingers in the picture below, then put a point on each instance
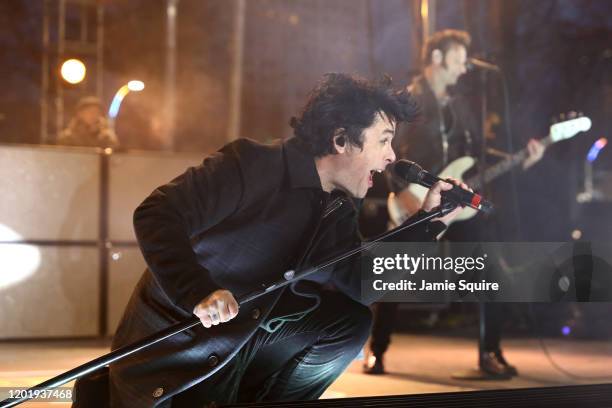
(452, 180)
(441, 186)
(233, 308)
(213, 313)
(457, 182)
(205, 319)
(223, 311)
(466, 187)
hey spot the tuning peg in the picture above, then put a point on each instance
(580, 114)
(572, 115)
(562, 116)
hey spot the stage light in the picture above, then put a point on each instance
(566, 330)
(73, 71)
(424, 10)
(19, 261)
(135, 86)
(132, 86)
(596, 148)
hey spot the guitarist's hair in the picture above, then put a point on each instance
(444, 40)
(343, 104)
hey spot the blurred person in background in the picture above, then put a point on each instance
(89, 127)
(445, 131)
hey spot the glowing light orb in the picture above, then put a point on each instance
(73, 71)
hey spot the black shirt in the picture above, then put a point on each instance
(440, 135)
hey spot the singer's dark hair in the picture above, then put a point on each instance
(343, 104)
(444, 40)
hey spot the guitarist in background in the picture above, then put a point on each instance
(446, 131)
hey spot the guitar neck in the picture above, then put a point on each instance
(503, 166)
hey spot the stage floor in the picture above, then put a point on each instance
(416, 364)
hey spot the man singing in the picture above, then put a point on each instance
(235, 224)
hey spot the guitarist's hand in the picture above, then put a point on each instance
(218, 307)
(535, 149)
(409, 202)
(434, 199)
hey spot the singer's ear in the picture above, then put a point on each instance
(437, 57)
(340, 140)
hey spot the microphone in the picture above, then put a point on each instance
(473, 63)
(413, 173)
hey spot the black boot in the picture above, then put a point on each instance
(509, 368)
(493, 364)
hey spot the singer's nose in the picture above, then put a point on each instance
(390, 156)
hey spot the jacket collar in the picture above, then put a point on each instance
(303, 173)
(300, 165)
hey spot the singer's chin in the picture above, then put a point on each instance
(359, 195)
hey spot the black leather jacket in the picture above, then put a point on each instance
(238, 221)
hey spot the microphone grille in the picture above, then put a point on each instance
(407, 170)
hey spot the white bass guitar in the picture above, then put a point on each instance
(457, 168)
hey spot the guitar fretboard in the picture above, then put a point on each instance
(503, 166)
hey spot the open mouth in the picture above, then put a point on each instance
(371, 177)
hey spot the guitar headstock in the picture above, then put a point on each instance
(568, 128)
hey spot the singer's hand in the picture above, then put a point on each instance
(434, 198)
(218, 307)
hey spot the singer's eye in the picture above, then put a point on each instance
(384, 141)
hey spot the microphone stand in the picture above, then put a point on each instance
(289, 277)
(484, 309)
(482, 327)
(483, 129)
